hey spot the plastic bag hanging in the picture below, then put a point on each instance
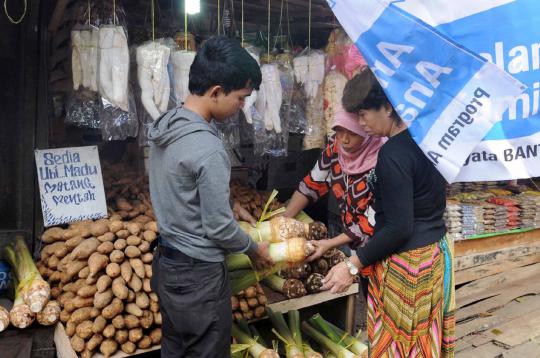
(181, 62)
(153, 77)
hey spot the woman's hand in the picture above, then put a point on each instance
(321, 246)
(242, 214)
(338, 280)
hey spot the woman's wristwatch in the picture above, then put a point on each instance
(353, 270)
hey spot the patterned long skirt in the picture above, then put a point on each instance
(411, 304)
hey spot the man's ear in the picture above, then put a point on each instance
(214, 91)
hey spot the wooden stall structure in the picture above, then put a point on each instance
(498, 296)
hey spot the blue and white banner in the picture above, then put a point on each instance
(449, 96)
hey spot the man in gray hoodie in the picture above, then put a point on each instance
(189, 186)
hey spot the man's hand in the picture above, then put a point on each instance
(321, 246)
(338, 280)
(260, 258)
(242, 214)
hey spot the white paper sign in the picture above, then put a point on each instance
(70, 185)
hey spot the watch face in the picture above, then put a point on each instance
(353, 270)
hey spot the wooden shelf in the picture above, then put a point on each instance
(310, 300)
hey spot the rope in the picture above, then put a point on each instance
(309, 30)
(153, 20)
(12, 20)
(242, 23)
(185, 30)
(114, 12)
(268, 40)
(289, 25)
(279, 31)
(89, 19)
(218, 17)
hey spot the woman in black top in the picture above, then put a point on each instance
(408, 260)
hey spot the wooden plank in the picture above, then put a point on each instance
(468, 261)
(509, 312)
(515, 332)
(310, 300)
(488, 350)
(498, 284)
(475, 273)
(474, 246)
(530, 349)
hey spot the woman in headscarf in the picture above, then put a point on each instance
(343, 168)
(411, 299)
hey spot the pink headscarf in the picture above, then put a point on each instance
(364, 158)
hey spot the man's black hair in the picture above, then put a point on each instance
(221, 61)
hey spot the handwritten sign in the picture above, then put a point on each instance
(70, 185)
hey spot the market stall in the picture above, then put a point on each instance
(113, 68)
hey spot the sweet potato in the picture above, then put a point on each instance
(133, 228)
(133, 309)
(77, 343)
(155, 335)
(147, 319)
(148, 271)
(103, 299)
(107, 237)
(157, 318)
(133, 240)
(74, 242)
(71, 328)
(117, 256)
(75, 266)
(152, 225)
(109, 331)
(99, 324)
(56, 292)
(115, 226)
(114, 309)
(53, 234)
(142, 300)
(119, 288)
(135, 283)
(75, 286)
(94, 342)
(103, 283)
(118, 322)
(113, 270)
(97, 262)
(87, 353)
(142, 219)
(56, 276)
(79, 302)
(149, 235)
(135, 335)
(126, 271)
(52, 262)
(132, 252)
(145, 342)
(105, 248)
(108, 347)
(84, 272)
(131, 321)
(95, 312)
(85, 249)
(138, 267)
(154, 306)
(121, 336)
(84, 329)
(99, 228)
(122, 234)
(144, 247)
(128, 347)
(131, 296)
(87, 291)
(147, 258)
(146, 285)
(64, 316)
(71, 233)
(153, 297)
(120, 244)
